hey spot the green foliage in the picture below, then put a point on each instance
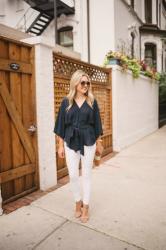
(137, 67)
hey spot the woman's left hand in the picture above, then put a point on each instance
(99, 147)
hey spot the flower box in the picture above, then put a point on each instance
(137, 67)
(114, 61)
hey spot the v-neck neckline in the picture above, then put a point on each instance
(81, 104)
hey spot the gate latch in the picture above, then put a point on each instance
(32, 128)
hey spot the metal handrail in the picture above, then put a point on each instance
(23, 20)
(22, 23)
(17, 25)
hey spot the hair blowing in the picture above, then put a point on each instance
(75, 80)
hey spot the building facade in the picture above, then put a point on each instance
(135, 27)
(91, 28)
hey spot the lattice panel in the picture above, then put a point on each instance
(66, 67)
(103, 97)
(60, 91)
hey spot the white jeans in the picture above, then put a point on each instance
(73, 159)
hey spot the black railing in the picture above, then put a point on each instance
(162, 114)
(47, 6)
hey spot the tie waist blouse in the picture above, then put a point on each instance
(78, 126)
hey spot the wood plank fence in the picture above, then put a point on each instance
(18, 145)
(101, 79)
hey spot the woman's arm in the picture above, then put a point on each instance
(97, 121)
(61, 150)
(59, 128)
(99, 146)
(98, 128)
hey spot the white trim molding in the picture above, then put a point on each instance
(45, 111)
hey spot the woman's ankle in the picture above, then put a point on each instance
(86, 205)
(79, 204)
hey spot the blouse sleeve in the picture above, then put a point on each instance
(97, 120)
(59, 128)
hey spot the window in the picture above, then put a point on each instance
(132, 3)
(148, 11)
(65, 37)
(150, 54)
(132, 44)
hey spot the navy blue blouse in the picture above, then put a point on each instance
(78, 126)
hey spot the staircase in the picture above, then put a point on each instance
(37, 18)
(39, 24)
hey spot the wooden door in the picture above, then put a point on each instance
(18, 142)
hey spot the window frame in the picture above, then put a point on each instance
(63, 29)
(153, 47)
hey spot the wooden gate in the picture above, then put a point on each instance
(18, 147)
(101, 78)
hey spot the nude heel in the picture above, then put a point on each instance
(85, 214)
(78, 211)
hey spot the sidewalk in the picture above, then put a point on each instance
(128, 207)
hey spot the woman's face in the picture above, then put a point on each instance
(83, 86)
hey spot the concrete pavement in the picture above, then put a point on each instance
(128, 207)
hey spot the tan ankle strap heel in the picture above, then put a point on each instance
(85, 214)
(78, 212)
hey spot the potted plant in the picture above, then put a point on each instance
(112, 58)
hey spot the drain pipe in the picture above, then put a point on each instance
(140, 45)
(88, 30)
(55, 20)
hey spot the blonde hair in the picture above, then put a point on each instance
(75, 80)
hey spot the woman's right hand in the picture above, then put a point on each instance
(61, 152)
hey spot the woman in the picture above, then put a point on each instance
(78, 127)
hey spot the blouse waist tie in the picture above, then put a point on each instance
(77, 131)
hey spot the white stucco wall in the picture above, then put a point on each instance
(125, 23)
(83, 31)
(45, 111)
(135, 108)
(139, 4)
(102, 29)
(66, 52)
(12, 11)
